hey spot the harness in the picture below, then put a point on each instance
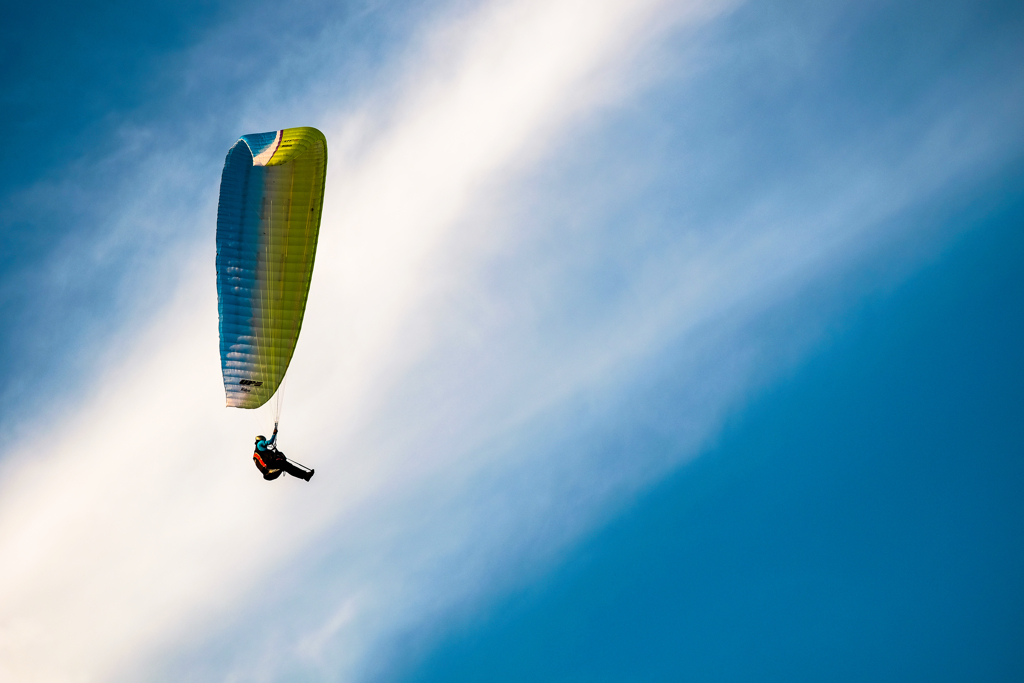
(260, 462)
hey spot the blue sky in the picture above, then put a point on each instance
(876, 536)
(647, 341)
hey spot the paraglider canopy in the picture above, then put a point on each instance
(268, 222)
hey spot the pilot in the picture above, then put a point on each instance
(271, 462)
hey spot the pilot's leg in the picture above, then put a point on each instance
(294, 470)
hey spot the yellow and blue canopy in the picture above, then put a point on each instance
(268, 221)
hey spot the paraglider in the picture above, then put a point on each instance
(268, 222)
(272, 462)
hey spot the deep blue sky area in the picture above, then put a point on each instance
(861, 522)
(72, 70)
(71, 76)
